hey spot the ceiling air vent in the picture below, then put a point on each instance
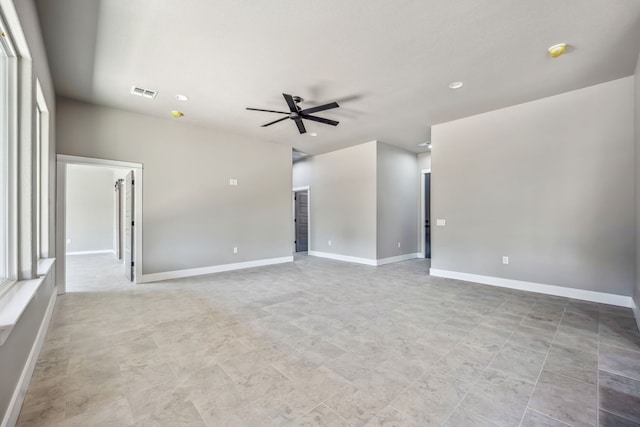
(151, 94)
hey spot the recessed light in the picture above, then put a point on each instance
(455, 85)
(557, 50)
(424, 144)
(177, 114)
(182, 97)
(313, 134)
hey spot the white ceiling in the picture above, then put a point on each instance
(388, 63)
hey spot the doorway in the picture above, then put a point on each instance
(301, 219)
(426, 213)
(99, 215)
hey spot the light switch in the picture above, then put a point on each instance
(441, 222)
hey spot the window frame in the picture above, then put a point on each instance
(8, 159)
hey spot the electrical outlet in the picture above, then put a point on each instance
(505, 260)
(329, 242)
(235, 181)
(398, 244)
(230, 181)
(235, 250)
(441, 222)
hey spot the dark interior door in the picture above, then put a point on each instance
(302, 220)
(427, 215)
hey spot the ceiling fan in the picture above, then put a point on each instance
(297, 114)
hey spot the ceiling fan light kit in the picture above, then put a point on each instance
(297, 113)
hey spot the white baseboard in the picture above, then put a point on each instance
(346, 258)
(105, 251)
(561, 291)
(365, 261)
(179, 274)
(636, 313)
(13, 410)
(398, 258)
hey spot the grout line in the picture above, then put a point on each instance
(598, 377)
(544, 362)
(548, 416)
(473, 383)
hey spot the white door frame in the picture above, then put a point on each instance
(293, 209)
(422, 237)
(61, 215)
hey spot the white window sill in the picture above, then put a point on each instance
(16, 299)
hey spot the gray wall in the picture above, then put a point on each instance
(302, 173)
(192, 217)
(343, 200)
(547, 183)
(424, 161)
(14, 352)
(397, 201)
(90, 208)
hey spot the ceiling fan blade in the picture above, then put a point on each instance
(320, 108)
(267, 111)
(301, 127)
(290, 102)
(320, 120)
(275, 121)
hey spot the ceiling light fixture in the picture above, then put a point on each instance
(182, 97)
(177, 114)
(455, 85)
(424, 144)
(313, 134)
(557, 50)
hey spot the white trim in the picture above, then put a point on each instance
(62, 162)
(13, 410)
(636, 312)
(13, 303)
(77, 160)
(561, 291)
(365, 261)
(105, 251)
(178, 274)
(304, 187)
(346, 258)
(423, 171)
(398, 258)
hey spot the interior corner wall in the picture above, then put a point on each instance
(547, 183)
(192, 217)
(397, 201)
(90, 209)
(636, 294)
(343, 201)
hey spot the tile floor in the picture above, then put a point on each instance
(325, 343)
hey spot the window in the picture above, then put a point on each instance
(42, 174)
(7, 136)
